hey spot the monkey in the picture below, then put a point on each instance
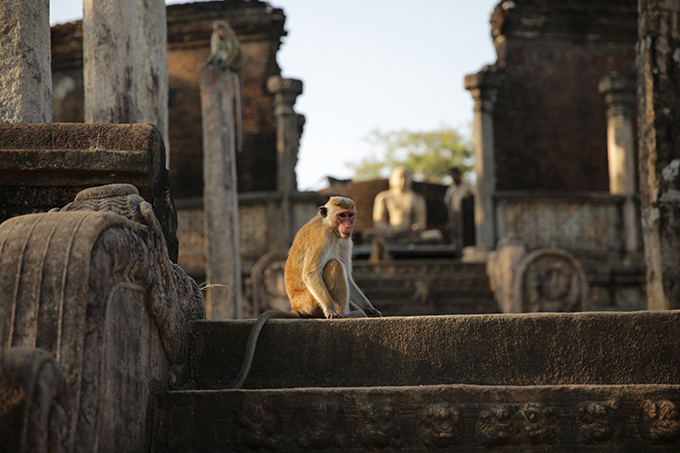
(225, 50)
(318, 275)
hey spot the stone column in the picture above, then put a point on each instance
(659, 117)
(483, 87)
(125, 67)
(109, 60)
(152, 68)
(619, 93)
(287, 144)
(25, 62)
(220, 195)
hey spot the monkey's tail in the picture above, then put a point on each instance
(252, 342)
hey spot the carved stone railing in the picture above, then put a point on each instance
(92, 283)
(590, 222)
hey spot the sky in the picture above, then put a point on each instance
(370, 64)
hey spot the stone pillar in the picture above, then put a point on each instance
(220, 195)
(659, 117)
(25, 62)
(125, 66)
(109, 60)
(483, 87)
(152, 68)
(287, 144)
(619, 93)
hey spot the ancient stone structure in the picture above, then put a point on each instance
(25, 77)
(619, 93)
(35, 402)
(556, 143)
(531, 383)
(125, 73)
(659, 154)
(264, 178)
(92, 283)
(483, 87)
(46, 165)
(288, 133)
(220, 195)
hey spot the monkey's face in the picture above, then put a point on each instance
(345, 223)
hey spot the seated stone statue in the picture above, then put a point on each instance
(399, 209)
(399, 214)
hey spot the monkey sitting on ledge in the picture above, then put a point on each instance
(318, 274)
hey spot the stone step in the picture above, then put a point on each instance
(620, 348)
(426, 287)
(464, 418)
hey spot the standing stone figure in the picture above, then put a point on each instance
(457, 197)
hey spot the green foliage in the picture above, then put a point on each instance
(428, 155)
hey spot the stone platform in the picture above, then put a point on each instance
(583, 382)
(529, 349)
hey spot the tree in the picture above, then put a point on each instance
(428, 155)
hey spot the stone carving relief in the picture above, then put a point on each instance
(113, 308)
(501, 267)
(324, 425)
(257, 428)
(597, 421)
(379, 425)
(267, 283)
(35, 402)
(550, 280)
(496, 426)
(661, 421)
(167, 282)
(512, 424)
(440, 426)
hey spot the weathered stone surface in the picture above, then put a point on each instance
(220, 195)
(413, 287)
(98, 290)
(109, 61)
(43, 166)
(501, 268)
(35, 402)
(152, 68)
(550, 280)
(25, 73)
(528, 349)
(659, 115)
(465, 418)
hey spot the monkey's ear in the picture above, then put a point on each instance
(323, 210)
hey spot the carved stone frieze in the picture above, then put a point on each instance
(550, 280)
(434, 418)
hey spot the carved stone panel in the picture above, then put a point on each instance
(550, 280)
(93, 284)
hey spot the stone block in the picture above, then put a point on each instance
(526, 349)
(93, 284)
(43, 166)
(35, 402)
(461, 418)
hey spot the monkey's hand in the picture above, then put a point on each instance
(372, 312)
(333, 316)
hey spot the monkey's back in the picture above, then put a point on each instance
(304, 248)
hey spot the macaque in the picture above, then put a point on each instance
(225, 50)
(318, 274)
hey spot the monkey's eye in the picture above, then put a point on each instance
(343, 215)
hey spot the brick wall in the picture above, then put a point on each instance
(259, 28)
(549, 118)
